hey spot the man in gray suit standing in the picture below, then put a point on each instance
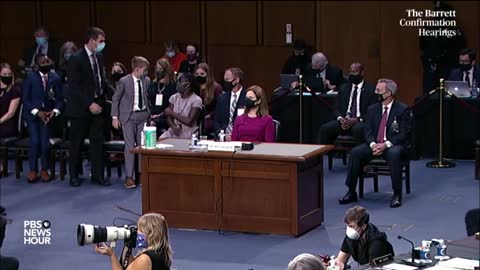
(131, 110)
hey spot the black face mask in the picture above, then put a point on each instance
(6, 79)
(116, 76)
(249, 103)
(465, 67)
(355, 79)
(228, 86)
(201, 79)
(160, 74)
(44, 69)
(380, 98)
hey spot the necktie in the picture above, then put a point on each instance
(95, 73)
(353, 106)
(140, 97)
(383, 126)
(467, 77)
(232, 112)
(45, 81)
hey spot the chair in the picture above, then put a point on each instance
(276, 125)
(379, 166)
(6, 144)
(114, 156)
(343, 144)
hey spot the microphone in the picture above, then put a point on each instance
(413, 248)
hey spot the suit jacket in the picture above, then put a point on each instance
(367, 98)
(457, 74)
(81, 84)
(52, 53)
(222, 110)
(122, 101)
(398, 112)
(34, 96)
(334, 75)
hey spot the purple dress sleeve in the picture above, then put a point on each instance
(269, 130)
(235, 128)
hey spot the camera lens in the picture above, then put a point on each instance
(81, 234)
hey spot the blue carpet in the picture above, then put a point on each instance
(435, 209)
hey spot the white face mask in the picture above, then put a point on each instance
(352, 233)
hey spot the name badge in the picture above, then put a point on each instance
(159, 100)
(382, 260)
(240, 112)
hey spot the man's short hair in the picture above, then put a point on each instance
(41, 28)
(237, 73)
(319, 58)
(139, 62)
(391, 85)
(471, 53)
(357, 214)
(305, 261)
(94, 33)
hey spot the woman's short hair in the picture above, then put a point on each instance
(357, 214)
(306, 261)
(260, 94)
(155, 227)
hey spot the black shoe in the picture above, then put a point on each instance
(74, 182)
(104, 182)
(396, 200)
(349, 198)
(2, 211)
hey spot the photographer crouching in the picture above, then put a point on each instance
(150, 237)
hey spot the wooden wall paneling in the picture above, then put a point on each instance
(301, 14)
(468, 19)
(176, 20)
(231, 23)
(350, 32)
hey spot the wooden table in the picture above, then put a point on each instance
(274, 188)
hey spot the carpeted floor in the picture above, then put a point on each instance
(435, 209)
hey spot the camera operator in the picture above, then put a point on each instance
(152, 238)
(6, 263)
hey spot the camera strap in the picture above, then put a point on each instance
(125, 257)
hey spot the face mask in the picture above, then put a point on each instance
(6, 79)
(182, 87)
(170, 54)
(465, 67)
(141, 240)
(191, 57)
(380, 98)
(44, 69)
(67, 56)
(116, 76)
(355, 79)
(100, 47)
(201, 79)
(160, 74)
(352, 234)
(228, 86)
(41, 40)
(249, 103)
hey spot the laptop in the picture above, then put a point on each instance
(458, 88)
(287, 79)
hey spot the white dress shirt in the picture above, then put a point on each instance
(470, 76)
(388, 143)
(231, 97)
(44, 51)
(89, 53)
(359, 93)
(135, 94)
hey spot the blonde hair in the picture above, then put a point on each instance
(69, 45)
(260, 94)
(167, 68)
(140, 62)
(155, 227)
(210, 84)
(6, 65)
(306, 261)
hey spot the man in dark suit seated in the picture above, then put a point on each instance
(467, 71)
(353, 100)
(387, 130)
(320, 76)
(299, 60)
(42, 46)
(230, 102)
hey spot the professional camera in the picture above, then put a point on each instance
(92, 234)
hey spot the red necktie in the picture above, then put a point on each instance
(44, 80)
(383, 125)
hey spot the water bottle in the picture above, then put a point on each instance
(221, 136)
(142, 136)
(194, 140)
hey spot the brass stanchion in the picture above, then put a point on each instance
(441, 163)
(300, 115)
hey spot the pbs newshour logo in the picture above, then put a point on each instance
(37, 232)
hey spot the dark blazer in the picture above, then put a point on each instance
(34, 95)
(170, 90)
(334, 75)
(399, 113)
(52, 53)
(367, 98)
(457, 74)
(81, 84)
(222, 110)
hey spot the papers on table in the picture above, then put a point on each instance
(460, 263)
(163, 145)
(397, 266)
(236, 144)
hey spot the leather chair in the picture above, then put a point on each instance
(343, 145)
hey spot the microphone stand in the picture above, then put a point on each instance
(411, 261)
(440, 163)
(300, 113)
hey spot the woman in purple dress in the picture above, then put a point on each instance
(255, 124)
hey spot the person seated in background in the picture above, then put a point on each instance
(306, 261)
(467, 71)
(472, 221)
(6, 263)
(154, 253)
(174, 55)
(42, 45)
(43, 101)
(230, 102)
(299, 60)
(363, 241)
(10, 95)
(387, 134)
(210, 90)
(353, 100)
(184, 109)
(188, 65)
(255, 124)
(118, 71)
(159, 93)
(320, 76)
(68, 48)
